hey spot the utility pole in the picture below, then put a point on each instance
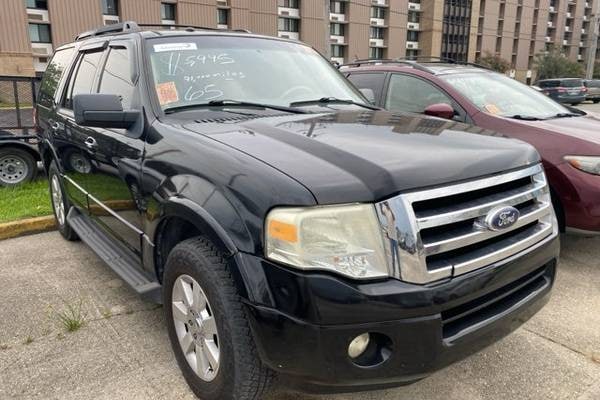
(327, 23)
(591, 61)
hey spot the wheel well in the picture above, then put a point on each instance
(34, 154)
(558, 208)
(171, 232)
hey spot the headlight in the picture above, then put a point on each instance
(588, 164)
(343, 239)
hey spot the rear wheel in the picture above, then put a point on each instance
(60, 203)
(596, 101)
(207, 326)
(17, 166)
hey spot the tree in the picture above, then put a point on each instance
(494, 62)
(555, 64)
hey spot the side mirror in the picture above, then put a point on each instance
(440, 110)
(369, 95)
(102, 111)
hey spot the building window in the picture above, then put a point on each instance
(337, 51)
(167, 11)
(412, 36)
(412, 54)
(376, 33)
(289, 25)
(414, 17)
(222, 16)
(39, 4)
(376, 53)
(338, 7)
(110, 7)
(288, 3)
(378, 12)
(337, 29)
(40, 33)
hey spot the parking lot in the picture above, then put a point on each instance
(122, 351)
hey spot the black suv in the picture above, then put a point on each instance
(289, 228)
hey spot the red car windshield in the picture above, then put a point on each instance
(500, 95)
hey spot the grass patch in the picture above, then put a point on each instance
(29, 200)
(72, 317)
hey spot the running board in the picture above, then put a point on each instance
(119, 259)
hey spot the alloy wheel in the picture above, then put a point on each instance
(196, 327)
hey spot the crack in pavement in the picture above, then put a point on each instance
(17, 344)
(589, 357)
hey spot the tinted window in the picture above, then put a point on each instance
(369, 81)
(116, 77)
(407, 93)
(572, 83)
(84, 78)
(549, 84)
(53, 75)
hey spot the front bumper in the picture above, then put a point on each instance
(303, 323)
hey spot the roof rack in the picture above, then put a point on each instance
(127, 26)
(131, 26)
(191, 28)
(414, 64)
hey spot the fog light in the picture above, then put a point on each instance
(358, 345)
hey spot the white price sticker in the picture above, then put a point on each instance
(158, 48)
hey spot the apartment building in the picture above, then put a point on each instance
(343, 30)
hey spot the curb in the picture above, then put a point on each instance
(29, 226)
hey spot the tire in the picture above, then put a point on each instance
(77, 161)
(17, 166)
(58, 197)
(239, 373)
(596, 101)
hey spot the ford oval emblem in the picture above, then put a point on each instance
(501, 218)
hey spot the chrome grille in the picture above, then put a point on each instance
(437, 233)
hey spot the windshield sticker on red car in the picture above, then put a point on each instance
(492, 109)
(159, 48)
(167, 93)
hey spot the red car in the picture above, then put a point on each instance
(568, 139)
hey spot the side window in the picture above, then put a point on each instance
(53, 75)
(83, 78)
(116, 77)
(373, 81)
(411, 94)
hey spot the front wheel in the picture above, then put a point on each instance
(60, 203)
(596, 101)
(207, 326)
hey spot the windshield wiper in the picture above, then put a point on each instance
(331, 100)
(222, 103)
(524, 117)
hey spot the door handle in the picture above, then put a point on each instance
(91, 143)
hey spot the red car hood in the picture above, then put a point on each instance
(584, 128)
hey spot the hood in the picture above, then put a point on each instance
(367, 156)
(584, 128)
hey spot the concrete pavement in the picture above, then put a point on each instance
(122, 352)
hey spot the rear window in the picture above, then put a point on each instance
(53, 75)
(572, 83)
(549, 84)
(593, 84)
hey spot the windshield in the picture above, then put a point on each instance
(500, 95)
(190, 70)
